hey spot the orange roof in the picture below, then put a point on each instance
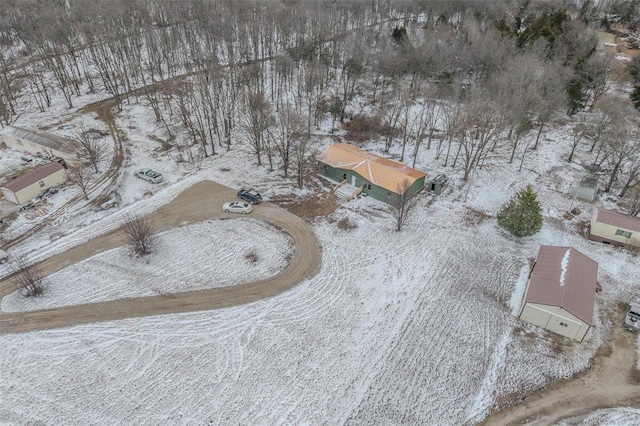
(564, 277)
(383, 172)
(609, 217)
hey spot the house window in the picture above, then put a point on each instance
(344, 176)
(625, 234)
(369, 186)
(41, 183)
(564, 324)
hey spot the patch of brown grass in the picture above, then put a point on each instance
(581, 227)
(345, 224)
(363, 128)
(475, 217)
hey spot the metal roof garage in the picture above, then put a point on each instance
(561, 290)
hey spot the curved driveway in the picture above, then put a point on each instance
(200, 202)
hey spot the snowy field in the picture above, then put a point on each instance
(415, 327)
(253, 251)
(617, 416)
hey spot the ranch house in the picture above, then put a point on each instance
(375, 176)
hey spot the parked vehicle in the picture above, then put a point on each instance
(237, 207)
(632, 317)
(250, 195)
(149, 175)
(3, 256)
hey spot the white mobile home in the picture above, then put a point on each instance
(39, 143)
(614, 228)
(21, 190)
(561, 292)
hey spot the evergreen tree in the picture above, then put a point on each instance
(399, 35)
(576, 96)
(522, 215)
(635, 97)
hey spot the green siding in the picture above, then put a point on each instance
(374, 191)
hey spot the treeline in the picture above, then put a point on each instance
(469, 79)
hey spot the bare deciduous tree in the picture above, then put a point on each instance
(288, 128)
(577, 133)
(478, 133)
(403, 204)
(139, 234)
(80, 176)
(634, 201)
(257, 119)
(89, 148)
(301, 158)
(27, 276)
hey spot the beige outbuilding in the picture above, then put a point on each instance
(561, 292)
(614, 228)
(23, 189)
(39, 143)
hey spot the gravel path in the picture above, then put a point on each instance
(612, 381)
(200, 202)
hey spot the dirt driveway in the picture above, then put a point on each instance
(200, 202)
(612, 381)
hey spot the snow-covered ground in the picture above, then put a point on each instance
(253, 250)
(623, 416)
(410, 327)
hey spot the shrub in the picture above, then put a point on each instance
(362, 128)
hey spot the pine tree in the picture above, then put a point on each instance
(522, 215)
(635, 97)
(576, 96)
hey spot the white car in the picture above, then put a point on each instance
(149, 175)
(632, 317)
(237, 207)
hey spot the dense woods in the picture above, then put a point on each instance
(476, 82)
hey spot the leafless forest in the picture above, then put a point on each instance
(475, 82)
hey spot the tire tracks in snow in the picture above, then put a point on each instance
(184, 209)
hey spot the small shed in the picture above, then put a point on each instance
(610, 227)
(23, 189)
(588, 188)
(561, 291)
(438, 184)
(39, 143)
(376, 176)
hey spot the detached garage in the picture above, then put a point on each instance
(376, 176)
(21, 190)
(561, 292)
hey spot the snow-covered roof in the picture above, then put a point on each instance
(383, 172)
(609, 217)
(564, 277)
(44, 139)
(33, 176)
